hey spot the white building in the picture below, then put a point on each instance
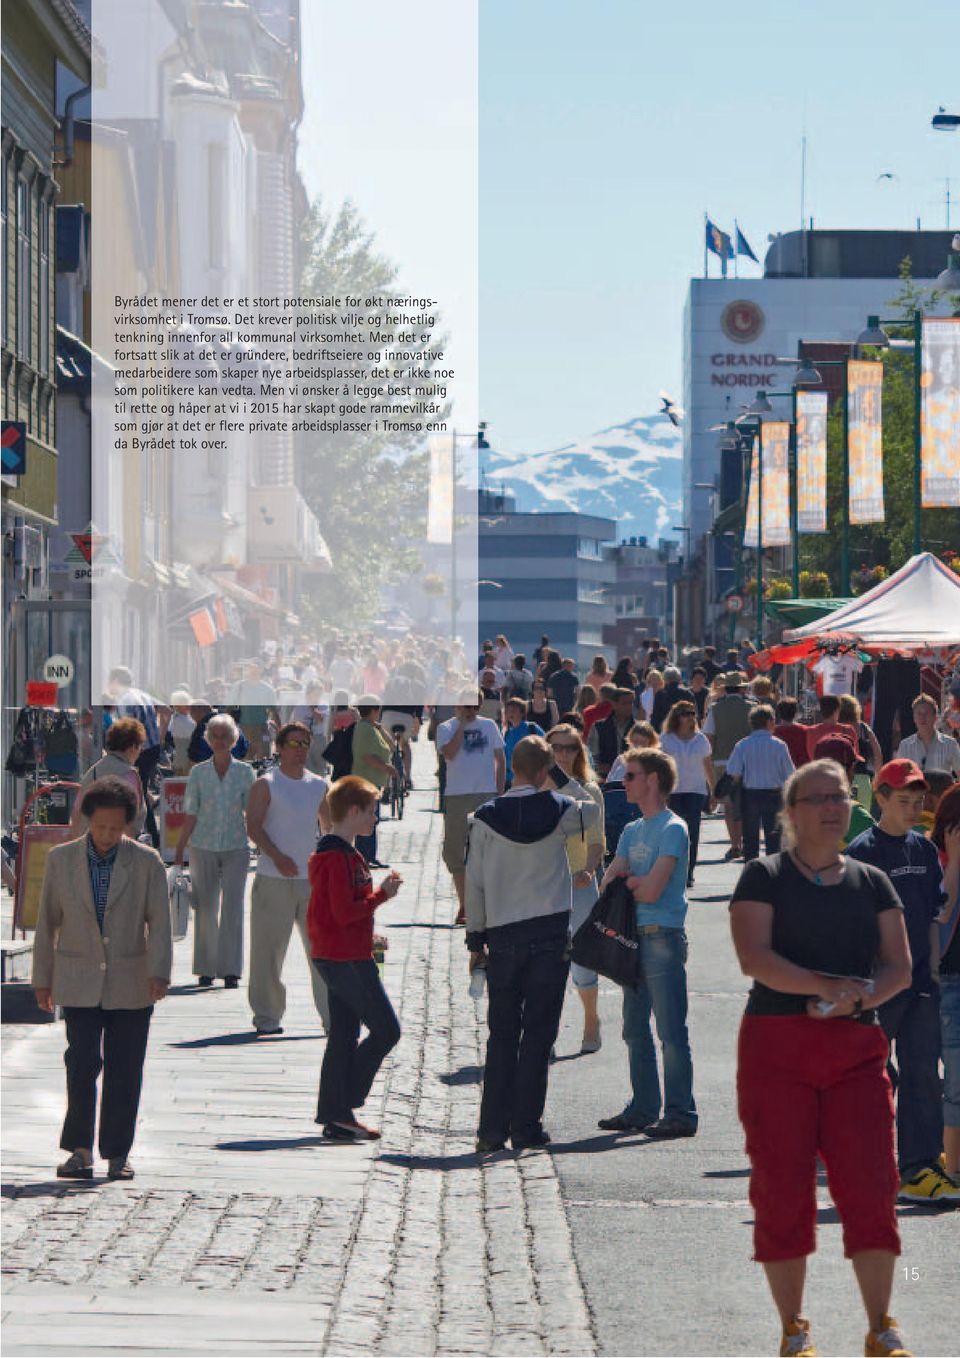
(817, 286)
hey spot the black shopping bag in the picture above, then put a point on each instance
(607, 942)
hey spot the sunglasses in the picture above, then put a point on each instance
(297, 744)
(556, 745)
(629, 777)
(826, 799)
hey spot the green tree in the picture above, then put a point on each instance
(889, 543)
(368, 489)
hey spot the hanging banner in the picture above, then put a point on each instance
(811, 461)
(865, 433)
(752, 523)
(776, 483)
(442, 478)
(940, 414)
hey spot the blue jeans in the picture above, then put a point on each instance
(689, 806)
(356, 996)
(526, 978)
(584, 899)
(367, 844)
(662, 992)
(761, 807)
(911, 1021)
(950, 1034)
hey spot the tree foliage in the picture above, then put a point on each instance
(888, 544)
(368, 490)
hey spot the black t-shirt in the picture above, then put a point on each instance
(829, 929)
(912, 863)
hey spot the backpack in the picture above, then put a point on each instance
(339, 752)
(60, 747)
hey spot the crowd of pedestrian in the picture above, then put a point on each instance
(553, 789)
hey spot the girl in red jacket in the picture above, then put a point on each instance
(340, 924)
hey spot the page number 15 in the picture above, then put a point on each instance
(911, 1273)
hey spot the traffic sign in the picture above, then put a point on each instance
(13, 447)
(734, 603)
(58, 670)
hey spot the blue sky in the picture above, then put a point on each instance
(606, 129)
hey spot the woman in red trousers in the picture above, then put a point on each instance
(823, 938)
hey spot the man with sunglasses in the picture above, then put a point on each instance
(283, 811)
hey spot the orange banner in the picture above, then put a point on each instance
(865, 435)
(940, 414)
(775, 488)
(811, 461)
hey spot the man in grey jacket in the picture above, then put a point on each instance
(518, 897)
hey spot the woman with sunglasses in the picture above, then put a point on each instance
(691, 752)
(541, 707)
(573, 777)
(823, 938)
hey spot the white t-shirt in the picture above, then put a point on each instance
(688, 755)
(839, 672)
(472, 768)
(291, 819)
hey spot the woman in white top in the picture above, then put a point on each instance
(690, 750)
(654, 685)
(503, 655)
(576, 779)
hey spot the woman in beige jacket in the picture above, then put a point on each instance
(103, 952)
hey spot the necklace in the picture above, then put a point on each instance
(817, 872)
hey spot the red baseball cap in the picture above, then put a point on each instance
(898, 773)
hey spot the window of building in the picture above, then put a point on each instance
(24, 270)
(43, 286)
(590, 636)
(589, 593)
(590, 548)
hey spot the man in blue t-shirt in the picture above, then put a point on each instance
(911, 1020)
(652, 855)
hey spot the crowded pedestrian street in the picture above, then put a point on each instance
(244, 1231)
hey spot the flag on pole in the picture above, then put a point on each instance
(743, 247)
(720, 243)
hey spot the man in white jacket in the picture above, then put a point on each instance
(518, 898)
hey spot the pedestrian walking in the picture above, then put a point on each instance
(573, 777)
(472, 748)
(372, 760)
(911, 1018)
(652, 855)
(830, 725)
(124, 740)
(257, 700)
(608, 737)
(727, 721)
(515, 727)
(945, 837)
(518, 897)
(641, 736)
(133, 702)
(810, 1043)
(215, 828)
(673, 691)
(340, 925)
(689, 749)
(789, 730)
(653, 685)
(563, 685)
(541, 708)
(930, 748)
(102, 951)
(283, 810)
(760, 764)
(519, 680)
(181, 728)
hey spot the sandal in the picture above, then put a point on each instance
(75, 1167)
(120, 1169)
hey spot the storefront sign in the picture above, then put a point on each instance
(58, 670)
(171, 815)
(41, 694)
(37, 842)
(940, 414)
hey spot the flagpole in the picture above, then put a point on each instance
(706, 218)
(736, 253)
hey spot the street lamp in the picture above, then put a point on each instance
(945, 122)
(949, 280)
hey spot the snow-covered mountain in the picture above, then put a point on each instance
(630, 472)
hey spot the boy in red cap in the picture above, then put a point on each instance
(911, 1020)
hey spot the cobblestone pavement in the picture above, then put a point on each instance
(243, 1232)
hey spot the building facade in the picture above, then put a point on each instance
(546, 573)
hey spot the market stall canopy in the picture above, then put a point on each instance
(798, 612)
(917, 610)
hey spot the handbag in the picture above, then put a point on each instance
(60, 747)
(607, 941)
(724, 786)
(178, 885)
(22, 755)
